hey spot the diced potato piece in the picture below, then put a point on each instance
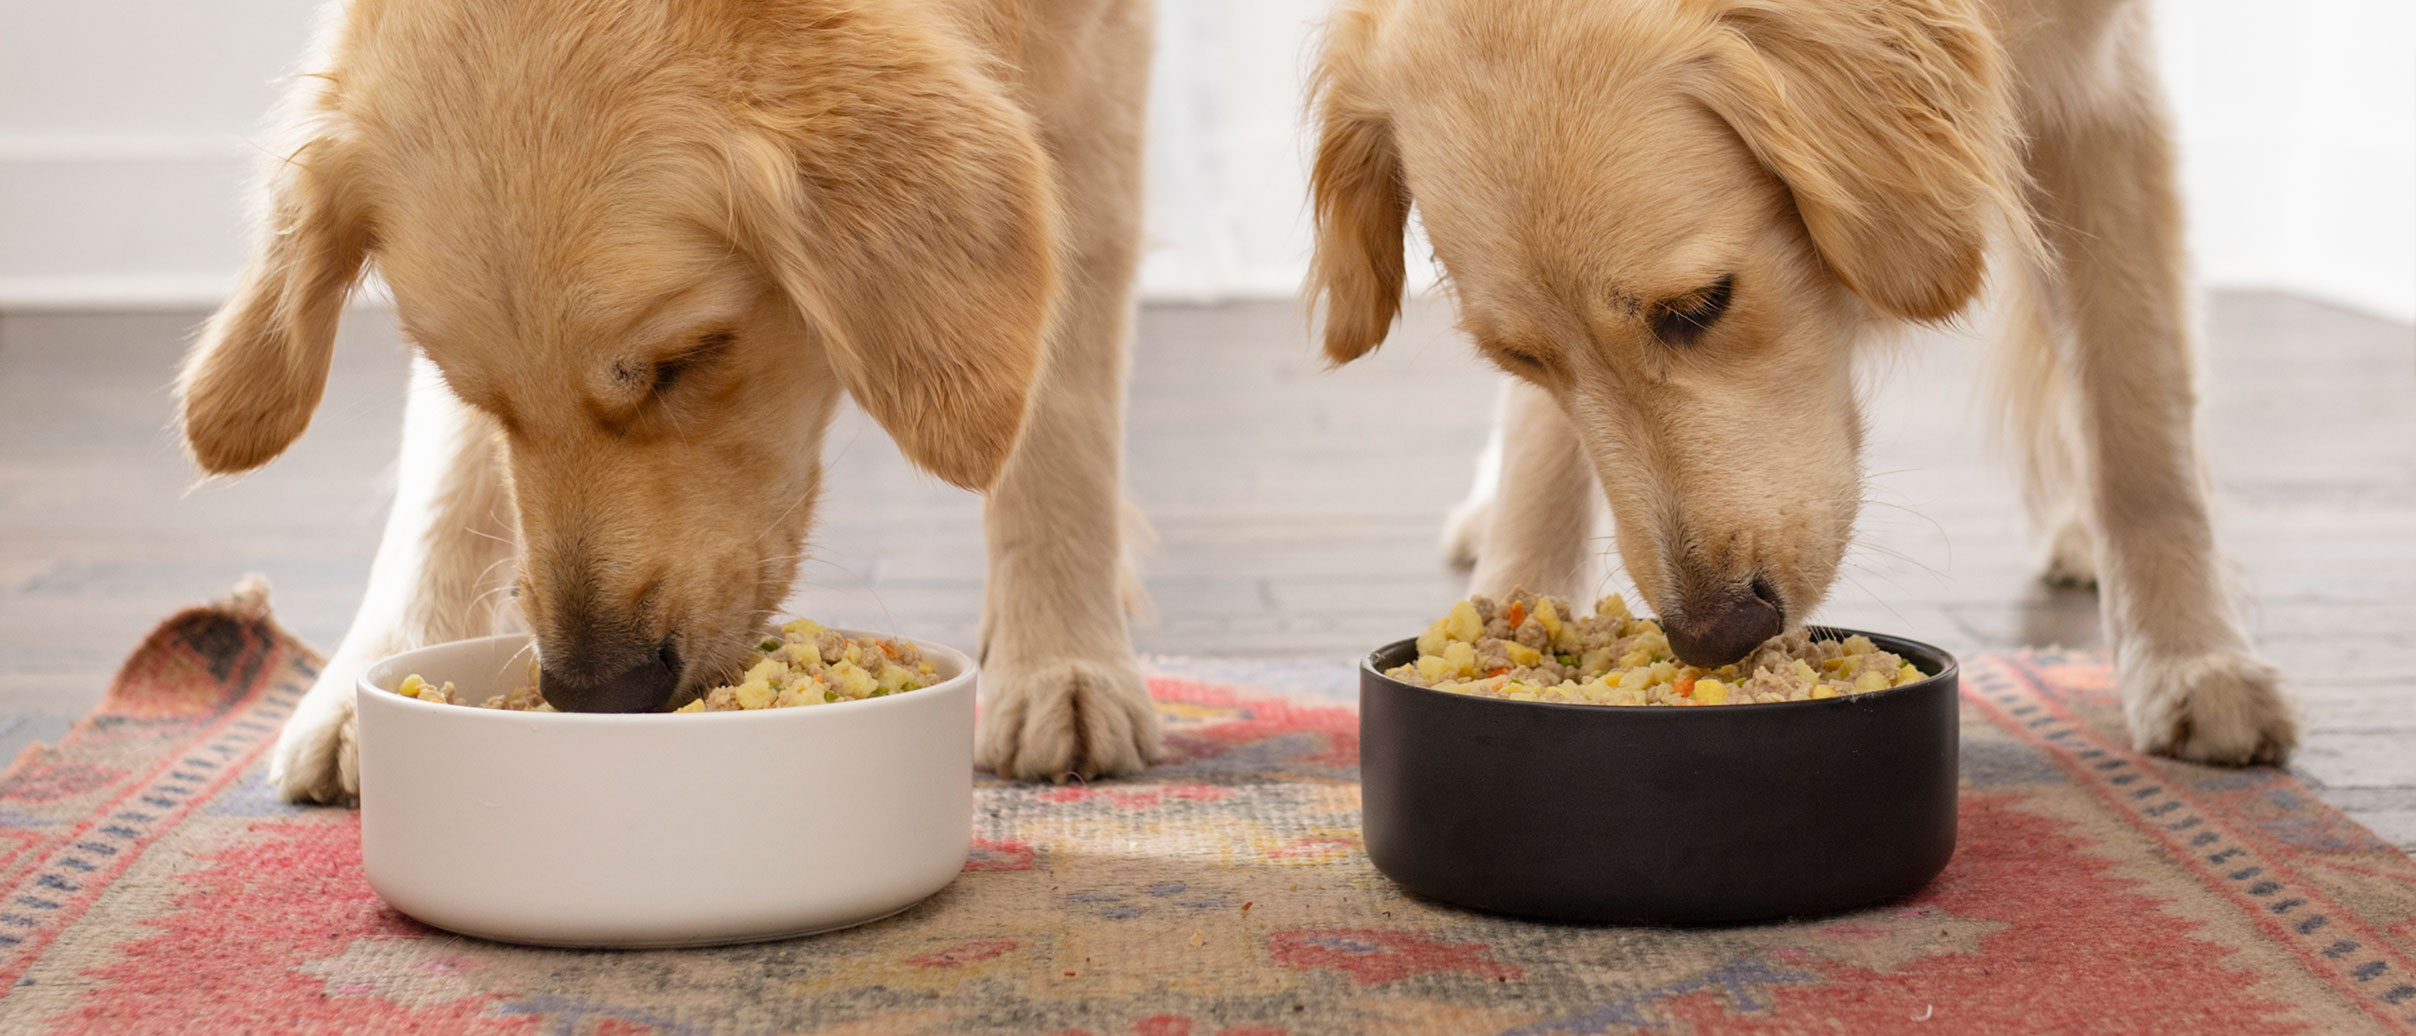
(1711, 692)
(1908, 674)
(1462, 624)
(851, 681)
(1549, 618)
(802, 629)
(695, 706)
(754, 694)
(1521, 654)
(1462, 656)
(771, 671)
(1871, 681)
(1823, 690)
(415, 687)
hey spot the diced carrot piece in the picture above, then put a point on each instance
(1517, 613)
(1686, 685)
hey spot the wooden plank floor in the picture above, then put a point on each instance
(1296, 510)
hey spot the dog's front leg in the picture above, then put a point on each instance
(2191, 686)
(1536, 526)
(1062, 692)
(440, 574)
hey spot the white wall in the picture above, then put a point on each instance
(2298, 135)
(123, 142)
(125, 128)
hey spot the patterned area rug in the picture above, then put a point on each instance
(154, 885)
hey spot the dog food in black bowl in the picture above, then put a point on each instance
(1528, 803)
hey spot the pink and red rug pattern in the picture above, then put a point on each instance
(150, 883)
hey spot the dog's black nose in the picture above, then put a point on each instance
(1716, 629)
(644, 687)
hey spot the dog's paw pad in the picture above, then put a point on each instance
(2225, 709)
(1067, 718)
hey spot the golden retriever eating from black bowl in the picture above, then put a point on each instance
(1674, 221)
(640, 249)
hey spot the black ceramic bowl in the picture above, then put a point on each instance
(1657, 815)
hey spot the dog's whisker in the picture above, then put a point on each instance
(1886, 551)
(489, 571)
(483, 534)
(802, 499)
(1898, 616)
(1944, 537)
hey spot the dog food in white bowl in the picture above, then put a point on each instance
(659, 829)
(804, 663)
(1528, 647)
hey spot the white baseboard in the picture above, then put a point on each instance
(129, 221)
(136, 292)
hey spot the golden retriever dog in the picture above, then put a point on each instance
(640, 248)
(1674, 222)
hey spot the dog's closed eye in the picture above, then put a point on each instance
(662, 374)
(1682, 320)
(1519, 358)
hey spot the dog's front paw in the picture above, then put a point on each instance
(2221, 708)
(317, 758)
(1055, 719)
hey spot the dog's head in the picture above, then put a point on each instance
(1677, 218)
(653, 242)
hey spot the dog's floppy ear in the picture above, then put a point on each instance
(1891, 124)
(252, 379)
(1360, 197)
(906, 206)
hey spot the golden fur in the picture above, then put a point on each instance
(1827, 169)
(640, 249)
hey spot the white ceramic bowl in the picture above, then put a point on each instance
(565, 829)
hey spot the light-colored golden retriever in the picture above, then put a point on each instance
(641, 248)
(1675, 221)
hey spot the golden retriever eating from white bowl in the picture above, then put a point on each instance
(1674, 221)
(641, 248)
